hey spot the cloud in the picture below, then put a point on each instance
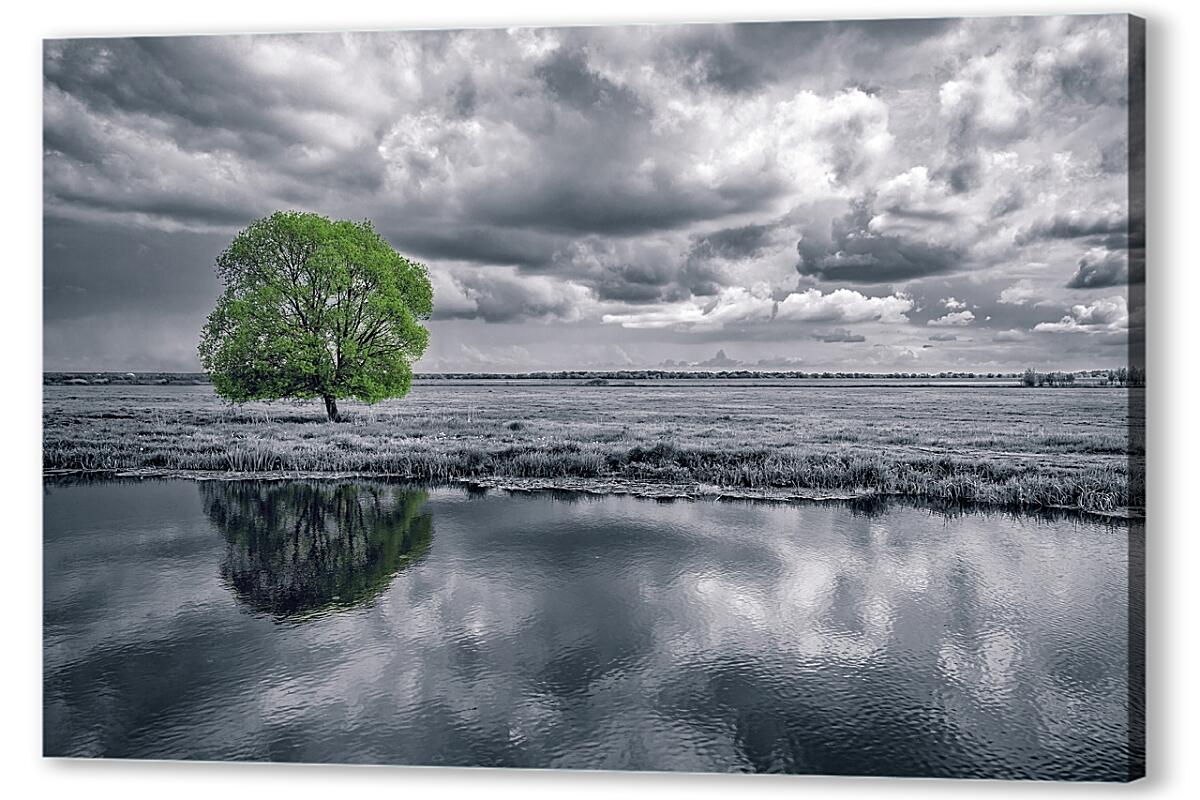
(731, 306)
(712, 258)
(985, 100)
(943, 337)
(745, 241)
(1012, 335)
(1020, 293)
(1113, 219)
(672, 179)
(719, 361)
(738, 306)
(780, 362)
(855, 249)
(1110, 315)
(570, 80)
(843, 305)
(838, 335)
(1102, 268)
(892, 355)
(953, 319)
(1085, 65)
(1011, 200)
(481, 244)
(711, 57)
(500, 294)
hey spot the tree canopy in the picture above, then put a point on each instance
(314, 307)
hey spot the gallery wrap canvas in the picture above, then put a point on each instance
(752, 397)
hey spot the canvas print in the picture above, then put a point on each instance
(753, 397)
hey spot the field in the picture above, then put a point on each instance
(1005, 445)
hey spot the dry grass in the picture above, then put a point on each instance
(1012, 447)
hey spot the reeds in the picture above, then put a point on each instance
(921, 444)
(664, 462)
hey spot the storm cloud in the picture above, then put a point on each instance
(663, 190)
(1103, 268)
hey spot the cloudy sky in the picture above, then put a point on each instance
(874, 196)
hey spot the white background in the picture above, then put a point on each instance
(1173, 138)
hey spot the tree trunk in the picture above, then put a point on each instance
(331, 408)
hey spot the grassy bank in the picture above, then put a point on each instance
(1027, 449)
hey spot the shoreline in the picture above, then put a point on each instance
(642, 490)
(1036, 449)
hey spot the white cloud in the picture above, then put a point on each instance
(844, 305)
(740, 306)
(1109, 315)
(984, 97)
(955, 319)
(1019, 293)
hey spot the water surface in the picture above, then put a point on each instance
(369, 622)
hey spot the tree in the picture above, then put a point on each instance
(315, 308)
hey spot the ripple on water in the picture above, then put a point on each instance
(379, 623)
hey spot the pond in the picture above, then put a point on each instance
(374, 622)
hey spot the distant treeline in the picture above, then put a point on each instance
(670, 374)
(126, 378)
(1124, 376)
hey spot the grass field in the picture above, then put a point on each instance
(1001, 445)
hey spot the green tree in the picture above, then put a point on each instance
(315, 308)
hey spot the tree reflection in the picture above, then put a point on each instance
(298, 548)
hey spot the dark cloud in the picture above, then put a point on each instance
(569, 80)
(463, 97)
(179, 208)
(195, 90)
(746, 241)
(838, 335)
(1010, 201)
(611, 203)
(567, 175)
(498, 295)
(712, 57)
(872, 51)
(1076, 226)
(854, 253)
(1114, 157)
(963, 175)
(1100, 268)
(483, 244)
(701, 274)
(943, 337)
(634, 283)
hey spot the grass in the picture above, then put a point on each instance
(1010, 447)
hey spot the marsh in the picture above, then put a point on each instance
(996, 444)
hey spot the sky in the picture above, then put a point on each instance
(878, 196)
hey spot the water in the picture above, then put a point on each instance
(376, 623)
